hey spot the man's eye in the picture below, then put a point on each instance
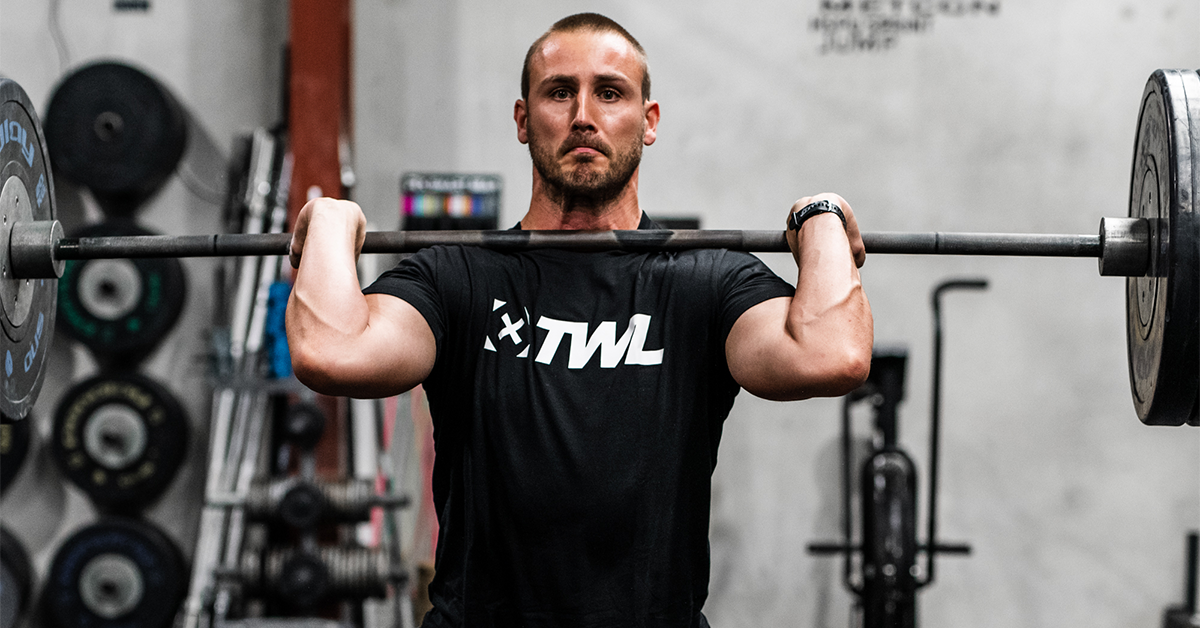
(560, 93)
(609, 94)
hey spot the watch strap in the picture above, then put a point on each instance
(824, 206)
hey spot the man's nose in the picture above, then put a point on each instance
(582, 120)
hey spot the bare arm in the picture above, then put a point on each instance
(342, 342)
(817, 343)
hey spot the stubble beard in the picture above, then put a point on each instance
(587, 187)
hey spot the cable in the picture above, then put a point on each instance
(60, 42)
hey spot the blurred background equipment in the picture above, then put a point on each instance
(14, 446)
(117, 572)
(16, 580)
(888, 573)
(120, 309)
(120, 438)
(450, 201)
(1184, 615)
(117, 131)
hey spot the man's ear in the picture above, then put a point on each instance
(521, 116)
(652, 114)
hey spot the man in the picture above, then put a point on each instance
(578, 398)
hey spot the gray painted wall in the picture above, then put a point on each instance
(1021, 120)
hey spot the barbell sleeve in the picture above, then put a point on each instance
(1002, 244)
(132, 247)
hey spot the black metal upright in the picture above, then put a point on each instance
(935, 420)
(888, 491)
(889, 576)
(1184, 616)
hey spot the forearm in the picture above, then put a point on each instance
(326, 311)
(818, 342)
(829, 318)
(342, 342)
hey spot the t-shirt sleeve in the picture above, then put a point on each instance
(746, 282)
(414, 281)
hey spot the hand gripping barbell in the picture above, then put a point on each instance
(1156, 247)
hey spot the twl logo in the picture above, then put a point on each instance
(630, 348)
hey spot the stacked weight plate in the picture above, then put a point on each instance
(120, 309)
(115, 572)
(119, 436)
(1163, 307)
(119, 133)
(116, 131)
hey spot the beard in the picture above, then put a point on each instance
(587, 186)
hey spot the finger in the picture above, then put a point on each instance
(294, 250)
(857, 248)
(793, 238)
(360, 234)
(299, 232)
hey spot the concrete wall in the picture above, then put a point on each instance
(1016, 120)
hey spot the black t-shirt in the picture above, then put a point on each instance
(577, 402)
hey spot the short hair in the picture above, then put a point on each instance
(593, 22)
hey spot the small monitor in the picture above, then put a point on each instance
(447, 201)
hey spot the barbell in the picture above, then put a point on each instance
(1156, 247)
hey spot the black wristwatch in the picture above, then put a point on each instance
(796, 220)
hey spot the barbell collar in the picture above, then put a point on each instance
(1122, 245)
(29, 243)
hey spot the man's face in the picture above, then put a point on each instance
(585, 120)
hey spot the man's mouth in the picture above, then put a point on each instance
(583, 149)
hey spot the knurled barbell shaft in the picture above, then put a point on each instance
(1126, 237)
(1006, 244)
(914, 243)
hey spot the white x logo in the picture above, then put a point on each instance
(510, 329)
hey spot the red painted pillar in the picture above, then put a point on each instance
(319, 117)
(319, 103)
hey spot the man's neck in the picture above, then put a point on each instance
(546, 211)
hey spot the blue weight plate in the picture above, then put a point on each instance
(28, 308)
